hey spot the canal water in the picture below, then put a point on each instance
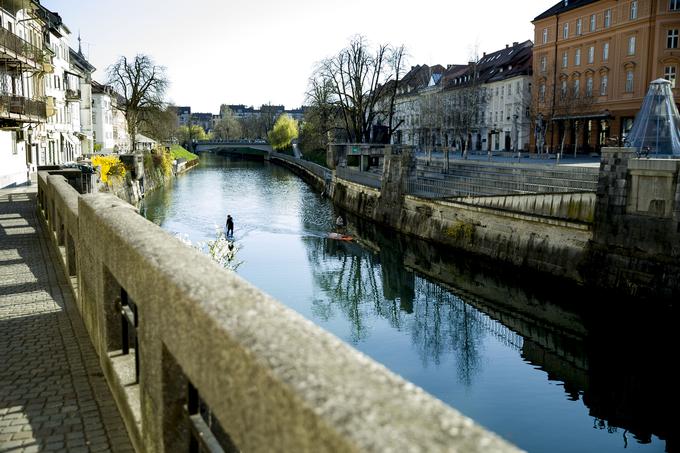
(529, 359)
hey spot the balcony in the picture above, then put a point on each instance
(72, 95)
(22, 110)
(13, 48)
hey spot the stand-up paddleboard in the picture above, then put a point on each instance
(340, 237)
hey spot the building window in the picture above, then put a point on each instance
(545, 35)
(564, 89)
(544, 63)
(608, 18)
(674, 5)
(577, 58)
(541, 92)
(577, 88)
(578, 27)
(565, 31)
(672, 41)
(670, 74)
(629, 81)
(633, 10)
(593, 22)
(631, 45)
(605, 52)
(604, 84)
(591, 54)
(589, 86)
(565, 59)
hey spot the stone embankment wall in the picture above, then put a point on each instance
(540, 232)
(269, 377)
(624, 238)
(637, 225)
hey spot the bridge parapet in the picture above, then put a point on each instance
(213, 145)
(178, 341)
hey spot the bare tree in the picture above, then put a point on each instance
(397, 64)
(469, 102)
(321, 113)
(159, 124)
(141, 84)
(432, 117)
(360, 79)
(557, 104)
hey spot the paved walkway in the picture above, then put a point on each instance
(53, 396)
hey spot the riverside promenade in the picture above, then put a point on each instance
(53, 395)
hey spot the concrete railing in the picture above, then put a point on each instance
(193, 353)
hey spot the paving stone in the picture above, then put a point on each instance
(52, 391)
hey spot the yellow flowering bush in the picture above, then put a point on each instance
(167, 163)
(111, 167)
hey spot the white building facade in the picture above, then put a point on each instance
(59, 142)
(79, 86)
(102, 118)
(507, 117)
(22, 105)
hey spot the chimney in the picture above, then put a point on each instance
(484, 54)
(507, 46)
(515, 44)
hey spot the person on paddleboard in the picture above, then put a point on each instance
(230, 226)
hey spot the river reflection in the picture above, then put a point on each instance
(530, 360)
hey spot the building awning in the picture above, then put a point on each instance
(75, 143)
(583, 116)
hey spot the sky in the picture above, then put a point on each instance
(256, 52)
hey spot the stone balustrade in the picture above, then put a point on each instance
(194, 354)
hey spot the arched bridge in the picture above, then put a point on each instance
(240, 147)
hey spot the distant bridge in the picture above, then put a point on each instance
(240, 147)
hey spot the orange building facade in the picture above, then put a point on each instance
(593, 62)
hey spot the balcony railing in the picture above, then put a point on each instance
(27, 109)
(9, 42)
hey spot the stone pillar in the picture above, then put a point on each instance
(611, 192)
(336, 155)
(636, 227)
(399, 165)
(363, 165)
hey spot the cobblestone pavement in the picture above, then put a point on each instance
(53, 396)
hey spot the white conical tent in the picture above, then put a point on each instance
(657, 125)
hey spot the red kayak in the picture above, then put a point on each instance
(340, 237)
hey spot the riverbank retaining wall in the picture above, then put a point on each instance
(636, 235)
(542, 243)
(199, 336)
(625, 237)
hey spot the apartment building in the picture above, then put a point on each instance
(81, 89)
(103, 98)
(483, 105)
(58, 140)
(593, 63)
(22, 104)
